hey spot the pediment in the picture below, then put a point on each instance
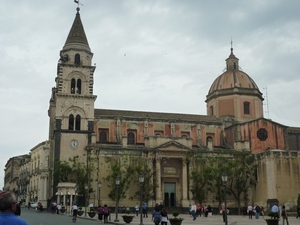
(172, 146)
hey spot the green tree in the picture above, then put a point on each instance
(119, 167)
(62, 171)
(241, 175)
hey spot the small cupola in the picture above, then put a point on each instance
(232, 62)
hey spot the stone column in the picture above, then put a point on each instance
(184, 184)
(158, 175)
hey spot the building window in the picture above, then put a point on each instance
(77, 59)
(74, 121)
(71, 122)
(247, 108)
(208, 140)
(77, 124)
(130, 138)
(73, 86)
(262, 134)
(76, 86)
(211, 110)
(103, 136)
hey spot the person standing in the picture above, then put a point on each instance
(275, 210)
(262, 210)
(137, 209)
(145, 210)
(284, 215)
(8, 206)
(105, 213)
(209, 210)
(156, 215)
(193, 210)
(100, 213)
(58, 208)
(198, 210)
(257, 211)
(164, 217)
(223, 212)
(250, 211)
(190, 210)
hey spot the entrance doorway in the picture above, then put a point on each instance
(170, 194)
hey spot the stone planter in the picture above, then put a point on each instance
(62, 210)
(92, 214)
(175, 221)
(127, 219)
(80, 213)
(272, 221)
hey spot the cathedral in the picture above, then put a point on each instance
(234, 121)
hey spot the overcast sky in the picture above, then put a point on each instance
(156, 55)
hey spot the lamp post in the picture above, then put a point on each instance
(141, 180)
(224, 179)
(86, 186)
(99, 190)
(117, 198)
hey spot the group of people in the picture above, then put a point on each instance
(144, 209)
(255, 210)
(160, 215)
(10, 209)
(197, 210)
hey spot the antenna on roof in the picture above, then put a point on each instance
(267, 103)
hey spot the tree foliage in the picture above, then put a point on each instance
(207, 169)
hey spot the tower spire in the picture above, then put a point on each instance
(77, 35)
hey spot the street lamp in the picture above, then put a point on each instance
(224, 179)
(141, 180)
(99, 189)
(117, 198)
(86, 187)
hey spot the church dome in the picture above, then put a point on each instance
(233, 81)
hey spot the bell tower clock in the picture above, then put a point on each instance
(71, 109)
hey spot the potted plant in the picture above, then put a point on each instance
(92, 212)
(127, 218)
(273, 220)
(80, 211)
(63, 209)
(175, 220)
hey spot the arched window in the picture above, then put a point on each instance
(103, 136)
(246, 107)
(130, 138)
(73, 86)
(78, 88)
(71, 122)
(211, 110)
(77, 59)
(77, 123)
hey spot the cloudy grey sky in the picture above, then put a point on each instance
(174, 50)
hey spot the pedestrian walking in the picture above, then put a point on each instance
(284, 215)
(164, 217)
(250, 211)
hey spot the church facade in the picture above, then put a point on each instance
(234, 121)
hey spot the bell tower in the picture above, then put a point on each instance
(71, 109)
